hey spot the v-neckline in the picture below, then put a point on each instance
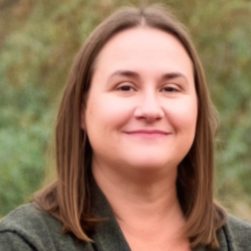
(108, 235)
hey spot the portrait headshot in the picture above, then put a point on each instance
(142, 158)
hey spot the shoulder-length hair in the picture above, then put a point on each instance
(68, 199)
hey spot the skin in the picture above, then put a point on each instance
(140, 119)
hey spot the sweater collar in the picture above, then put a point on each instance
(108, 235)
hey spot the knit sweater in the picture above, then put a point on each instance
(29, 229)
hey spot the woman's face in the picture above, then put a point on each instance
(142, 106)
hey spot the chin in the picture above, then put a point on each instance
(151, 172)
(150, 160)
(151, 165)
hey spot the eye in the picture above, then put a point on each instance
(170, 88)
(126, 87)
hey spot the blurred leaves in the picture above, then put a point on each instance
(38, 41)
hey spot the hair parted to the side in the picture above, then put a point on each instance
(68, 199)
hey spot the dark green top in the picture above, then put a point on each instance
(30, 229)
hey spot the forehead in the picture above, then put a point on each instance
(152, 46)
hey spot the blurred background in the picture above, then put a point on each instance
(38, 41)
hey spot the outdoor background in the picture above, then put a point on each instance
(38, 41)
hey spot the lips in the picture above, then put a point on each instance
(147, 132)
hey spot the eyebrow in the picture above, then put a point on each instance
(133, 74)
(125, 73)
(173, 75)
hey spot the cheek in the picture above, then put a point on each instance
(184, 115)
(107, 112)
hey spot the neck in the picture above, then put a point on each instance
(145, 205)
(135, 197)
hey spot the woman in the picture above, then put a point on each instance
(134, 148)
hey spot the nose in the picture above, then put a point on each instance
(149, 108)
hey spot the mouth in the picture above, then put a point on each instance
(148, 133)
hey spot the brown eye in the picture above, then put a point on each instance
(170, 89)
(126, 88)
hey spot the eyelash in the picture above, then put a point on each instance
(126, 87)
(170, 89)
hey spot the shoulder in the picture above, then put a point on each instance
(238, 233)
(239, 225)
(28, 226)
(26, 217)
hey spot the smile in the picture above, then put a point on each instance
(147, 133)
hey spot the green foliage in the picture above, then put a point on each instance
(38, 40)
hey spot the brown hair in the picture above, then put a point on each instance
(68, 199)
